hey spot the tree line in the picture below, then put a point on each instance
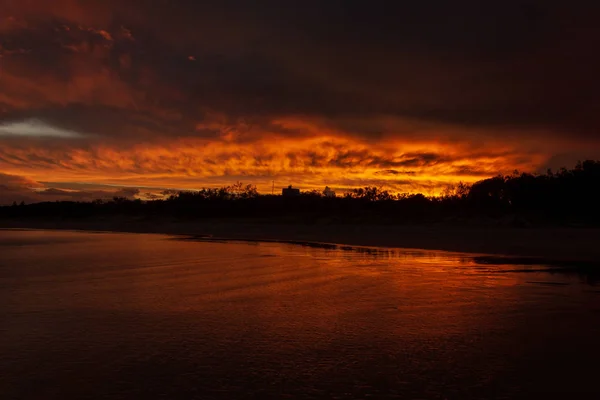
(563, 197)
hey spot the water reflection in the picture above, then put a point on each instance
(148, 316)
(588, 272)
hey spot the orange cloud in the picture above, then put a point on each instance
(308, 162)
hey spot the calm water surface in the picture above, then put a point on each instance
(124, 316)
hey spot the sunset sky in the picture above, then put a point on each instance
(104, 97)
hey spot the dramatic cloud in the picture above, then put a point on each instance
(187, 93)
(17, 189)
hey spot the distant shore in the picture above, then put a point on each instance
(567, 244)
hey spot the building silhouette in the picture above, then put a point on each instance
(290, 191)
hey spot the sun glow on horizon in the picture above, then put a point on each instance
(308, 163)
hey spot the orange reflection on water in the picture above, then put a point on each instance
(334, 319)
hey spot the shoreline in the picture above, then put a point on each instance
(556, 244)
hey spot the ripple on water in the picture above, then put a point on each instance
(148, 316)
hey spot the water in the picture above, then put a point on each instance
(124, 316)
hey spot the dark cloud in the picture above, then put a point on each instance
(18, 189)
(471, 171)
(395, 172)
(514, 63)
(13, 181)
(83, 195)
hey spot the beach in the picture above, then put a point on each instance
(557, 244)
(89, 315)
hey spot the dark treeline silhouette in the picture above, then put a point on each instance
(566, 197)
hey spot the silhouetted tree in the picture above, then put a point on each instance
(561, 197)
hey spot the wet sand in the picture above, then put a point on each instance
(134, 316)
(558, 244)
